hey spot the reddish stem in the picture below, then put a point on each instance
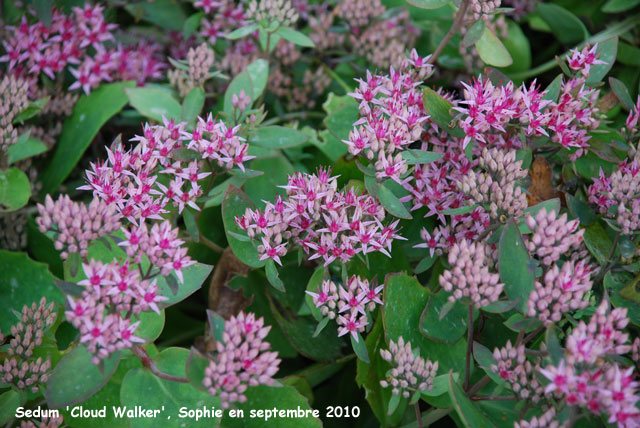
(147, 362)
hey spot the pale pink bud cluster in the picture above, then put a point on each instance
(76, 224)
(552, 236)
(470, 275)
(112, 293)
(482, 8)
(242, 360)
(281, 11)
(45, 422)
(545, 420)
(496, 186)
(491, 108)
(348, 303)
(621, 189)
(514, 367)
(409, 372)
(199, 62)
(325, 222)
(241, 100)
(130, 178)
(35, 49)
(588, 378)
(160, 244)
(20, 367)
(392, 117)
(13, 99)
(563, 289)
(359, 13)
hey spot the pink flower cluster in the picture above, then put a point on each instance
(112, 293)
(75, 224)
(587, 378)
(497, 113)
(545, 420)
(348, 303)
(129, 178)
(617, 197)
(392, 116)
(514, 367)
(222, 17)
(32, 49)
(552, 236)
(242, 360)
(410, 373)
(325, 222)
(471, 274)
(21, 368)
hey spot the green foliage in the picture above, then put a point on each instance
(155, 103)
(15, 189)
(514, 266)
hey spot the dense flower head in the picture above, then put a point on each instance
(585, 377)
(111, 294)
(489, 110)
(281, 11)
(563, 289)
(21, 368)
(617, 197)
(242, 359)
(359, 13)
(348, 303)
(34, 49)
(324, 222)
(514, 367)
(199, 62)
(44, 422)
(13, 99)
(471, 274)
(129, 178)
(161, 246)
(410, 373)
(553, 236)
(496, 186)
(391, 117)
(76, 224)
(545, 420)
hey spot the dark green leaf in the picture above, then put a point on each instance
(485, 360)
(321, 325)
(166, 14)
(517, 43)
(553, 345)
(154, 103)
(23, 282)
(26, 147)
(217, 193)
(393, 404)
(278, 137)
(473, 34)
(194, 276)
(142, 388)
(447, 329)
(607, 52)
(565, 25)
(360, 349)
(9, 402)
(151, 325)
(15, 189)
(553, 90)
(234, 204)
(617, 6)
(64, 387)
(276, 170)
(492, 51)
(470, 415)
(425, 264)
(44, 11)
(32, 109)
(259, 73)
(404, 302)
(620, 89)
(191, 24)
(241, 32)
(192, 105)
(440, 111)
(413, 156)
(513, 265)
(272, 275)
(460, 210)
(216, 325)
(428, 4)
(89, 114)
(517, 322)
(391, 203)
(296, 37)
(581, 210)
(598, 242)
(314, 285)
